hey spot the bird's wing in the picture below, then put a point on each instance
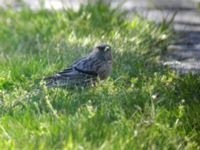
(63, 73)
(77, 73)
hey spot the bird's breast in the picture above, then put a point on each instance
(105, 70)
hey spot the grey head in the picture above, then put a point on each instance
(103, 52)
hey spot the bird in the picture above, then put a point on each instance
(85, 71)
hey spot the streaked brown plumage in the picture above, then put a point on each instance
(85, 70)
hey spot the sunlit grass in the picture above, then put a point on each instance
(141, 106)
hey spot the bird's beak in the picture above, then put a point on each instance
(107, 48)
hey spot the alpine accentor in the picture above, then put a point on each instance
(85, 70)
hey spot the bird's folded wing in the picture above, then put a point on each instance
(78, 73)
(65, 74)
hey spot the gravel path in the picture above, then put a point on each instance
(184, 54)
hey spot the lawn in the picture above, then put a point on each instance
(143, 105)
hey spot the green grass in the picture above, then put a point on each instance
(141, 106)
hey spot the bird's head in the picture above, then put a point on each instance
(104, 47)
(103, 51)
